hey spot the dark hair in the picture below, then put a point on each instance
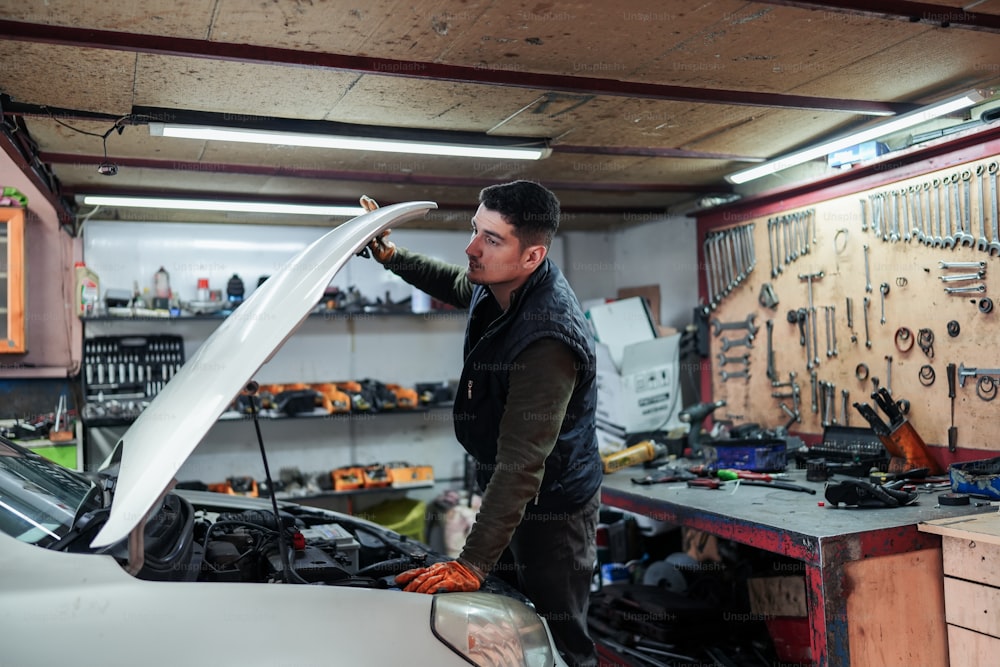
(530, 208)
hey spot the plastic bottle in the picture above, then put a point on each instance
(161, 284)
(88, 289)
(203, 289)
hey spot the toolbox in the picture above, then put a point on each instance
(757, 455)
(977, 478)
(122, 374)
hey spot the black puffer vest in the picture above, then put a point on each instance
(544, 307)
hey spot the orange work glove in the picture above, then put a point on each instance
(381, 248)
(448, 577)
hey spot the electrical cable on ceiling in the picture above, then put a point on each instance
(106, 168)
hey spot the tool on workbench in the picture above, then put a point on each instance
(777, 484)
(900, 439)
(952, 430)
(694, 416)
(671, 474)
(642, 452)
(704, 483)
(858, 493)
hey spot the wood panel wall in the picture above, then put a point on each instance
(911, 272)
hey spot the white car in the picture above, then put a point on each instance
(116, 568)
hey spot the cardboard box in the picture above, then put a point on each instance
(642, 395)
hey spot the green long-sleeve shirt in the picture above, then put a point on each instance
(540, 382)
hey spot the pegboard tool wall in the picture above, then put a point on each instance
(907, 274)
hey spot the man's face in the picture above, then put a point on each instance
(496, 257)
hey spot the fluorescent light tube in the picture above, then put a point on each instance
(223, 205)
(897, 124)
(207, 133)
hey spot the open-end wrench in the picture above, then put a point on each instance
(994, 247)
(706, 251)
(826, 330)
(810, 278)
(966, 238)
(845, 418)
(723, 360)
(884, 289)
(747, 324)
(864, 215)
(868, 275)
(924, 200)
(888, 373)
(833, 328)
(729, 343)
(982, 243)
(868, 340)
(727, 375)
(770, 246)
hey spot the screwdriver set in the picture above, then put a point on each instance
(122, 374)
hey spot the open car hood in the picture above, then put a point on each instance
(165, 434)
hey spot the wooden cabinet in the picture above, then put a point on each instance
(12, 339)
(970, 548)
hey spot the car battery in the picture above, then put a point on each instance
(348, 478)
(122, 374)
(339, 537)
(403, 475)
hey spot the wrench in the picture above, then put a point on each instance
(949, 238)
(726, 375)
(925, 213)
(966, 239)
(937, 242)
(963, 265)
(864, 216)
(982, 243)
(772, 374)
(730, 326)
(723, 360)
(995, 243)
(904, 194)
(888, 373)
(970, 289)
(894, 232)
(728, 343)
(868, 340)
(770, 245)
(814, 385)
(844, 413)
(884, 289)
(959, 277)
(833, 327)
(868, 276)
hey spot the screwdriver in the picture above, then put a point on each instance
(952, 430)
(729, 475)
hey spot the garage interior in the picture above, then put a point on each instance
(646, 119)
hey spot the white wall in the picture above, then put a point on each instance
(660, 252)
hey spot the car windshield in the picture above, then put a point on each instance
(38, 498)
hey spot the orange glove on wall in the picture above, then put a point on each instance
(448, 577)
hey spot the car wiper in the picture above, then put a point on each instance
(86, 518)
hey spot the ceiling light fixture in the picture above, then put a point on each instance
(223, 205)
(494, 150)
(897, 124)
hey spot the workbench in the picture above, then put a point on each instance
(874, 582)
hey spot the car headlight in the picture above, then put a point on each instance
(491, 630)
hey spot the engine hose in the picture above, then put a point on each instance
(385, 568)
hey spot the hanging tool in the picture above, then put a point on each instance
(952, 430)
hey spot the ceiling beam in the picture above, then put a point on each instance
(199, 48)
(941, 16)
(371, 177)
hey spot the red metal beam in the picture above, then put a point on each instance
(199, 48)
(902, 10)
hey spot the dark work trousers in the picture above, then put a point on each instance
(554, 555)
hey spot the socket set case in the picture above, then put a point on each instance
(122, 374)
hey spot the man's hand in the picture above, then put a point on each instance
(448, 577)
(381, 248)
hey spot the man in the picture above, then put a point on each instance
(524, 409)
